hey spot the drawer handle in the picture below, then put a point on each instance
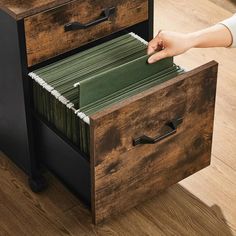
(148, 140)
(105, 15)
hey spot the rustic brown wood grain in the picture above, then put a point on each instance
(45, 35)
(20, 8)
(123, 175)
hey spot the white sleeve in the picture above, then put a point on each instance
(230, 23)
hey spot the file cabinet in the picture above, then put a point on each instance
(138, 147)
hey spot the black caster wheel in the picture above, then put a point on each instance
(38, 185)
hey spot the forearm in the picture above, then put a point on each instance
(215, 36)
(169, 44)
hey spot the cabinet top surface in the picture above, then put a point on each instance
(23, 8)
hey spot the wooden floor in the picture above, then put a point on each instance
(204, 204)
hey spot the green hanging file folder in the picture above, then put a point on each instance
(108, 82)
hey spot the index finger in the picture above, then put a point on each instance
(155, 45)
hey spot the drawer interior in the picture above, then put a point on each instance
(63, 160)
(68, 92)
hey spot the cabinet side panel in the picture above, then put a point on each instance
(13, 126)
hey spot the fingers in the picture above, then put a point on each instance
(154, 45)
(157, 48)
(151, 49)
(158, 56)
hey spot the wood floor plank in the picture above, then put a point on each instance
(216, 186)
(177, 207)
(230, 5)
(175, 212)
(17, 181)
(204, 204)
(193, 15)
(33, 212)
(8, 219)
(181, 213)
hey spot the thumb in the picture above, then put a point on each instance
(158, 56)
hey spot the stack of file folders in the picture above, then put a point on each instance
(66, 93)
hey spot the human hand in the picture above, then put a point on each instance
(168, 44)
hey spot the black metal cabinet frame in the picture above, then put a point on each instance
(20, 138)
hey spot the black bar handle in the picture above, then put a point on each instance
(148, 140)
(105, 15)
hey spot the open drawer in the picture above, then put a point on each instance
(140, 146)
(177, 116)
(127, 130)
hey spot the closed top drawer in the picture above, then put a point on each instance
(69, 26)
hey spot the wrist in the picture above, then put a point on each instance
(194, 39)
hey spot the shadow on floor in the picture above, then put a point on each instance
(229, 5)
(58, 212)
(174, 212)
(233, 2)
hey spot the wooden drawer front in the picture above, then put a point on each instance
(124, 175)
(46, 36)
